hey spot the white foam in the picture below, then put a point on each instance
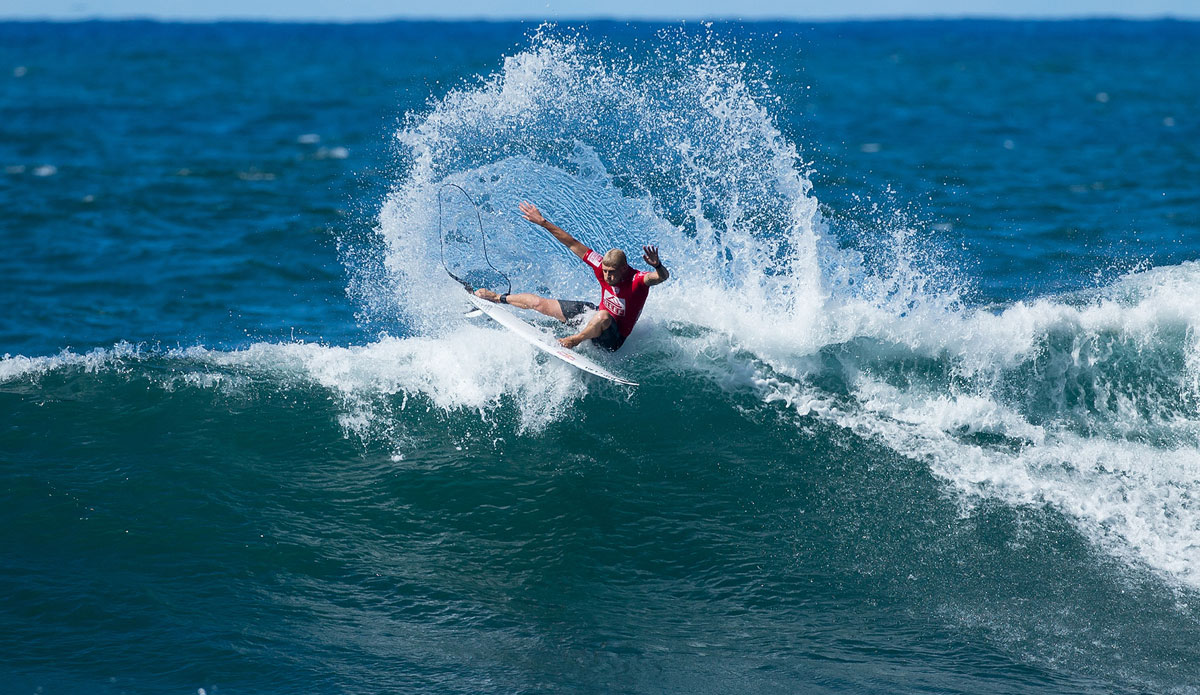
(19, 366)
(470, 368)
(1129, 479)
(1135, 500)
(332, 153)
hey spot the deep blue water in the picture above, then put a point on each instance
(920, 405)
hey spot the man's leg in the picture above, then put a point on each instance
(593, 329)
(542, 305)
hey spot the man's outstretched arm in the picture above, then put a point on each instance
(531, 213)
(660, 274)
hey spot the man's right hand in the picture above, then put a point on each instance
(531, 213)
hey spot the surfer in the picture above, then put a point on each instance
(623, 290)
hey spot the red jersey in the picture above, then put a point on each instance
(623, 301)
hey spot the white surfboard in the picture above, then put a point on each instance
(542, 341)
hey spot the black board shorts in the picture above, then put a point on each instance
(611, 339)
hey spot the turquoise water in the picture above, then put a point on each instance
(920, 405)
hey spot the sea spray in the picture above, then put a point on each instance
(668, 144)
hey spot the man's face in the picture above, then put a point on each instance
(612, 274)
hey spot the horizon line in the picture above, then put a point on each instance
(389, 19)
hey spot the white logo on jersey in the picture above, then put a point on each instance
(613, 305)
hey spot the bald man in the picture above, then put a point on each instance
(623, 290)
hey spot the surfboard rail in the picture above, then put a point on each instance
(539, 339)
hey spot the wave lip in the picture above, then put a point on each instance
(472, 369)
(14, 367)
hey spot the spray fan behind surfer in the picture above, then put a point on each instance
(623, 290)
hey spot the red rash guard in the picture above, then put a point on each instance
(623, 301)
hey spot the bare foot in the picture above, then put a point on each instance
(487, 294)
(570, 341)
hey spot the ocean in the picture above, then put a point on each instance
(919, 407)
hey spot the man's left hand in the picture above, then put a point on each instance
(650, 255)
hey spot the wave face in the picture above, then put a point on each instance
(1056, 400)
(859, 460)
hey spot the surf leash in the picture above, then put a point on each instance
(482, 239)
